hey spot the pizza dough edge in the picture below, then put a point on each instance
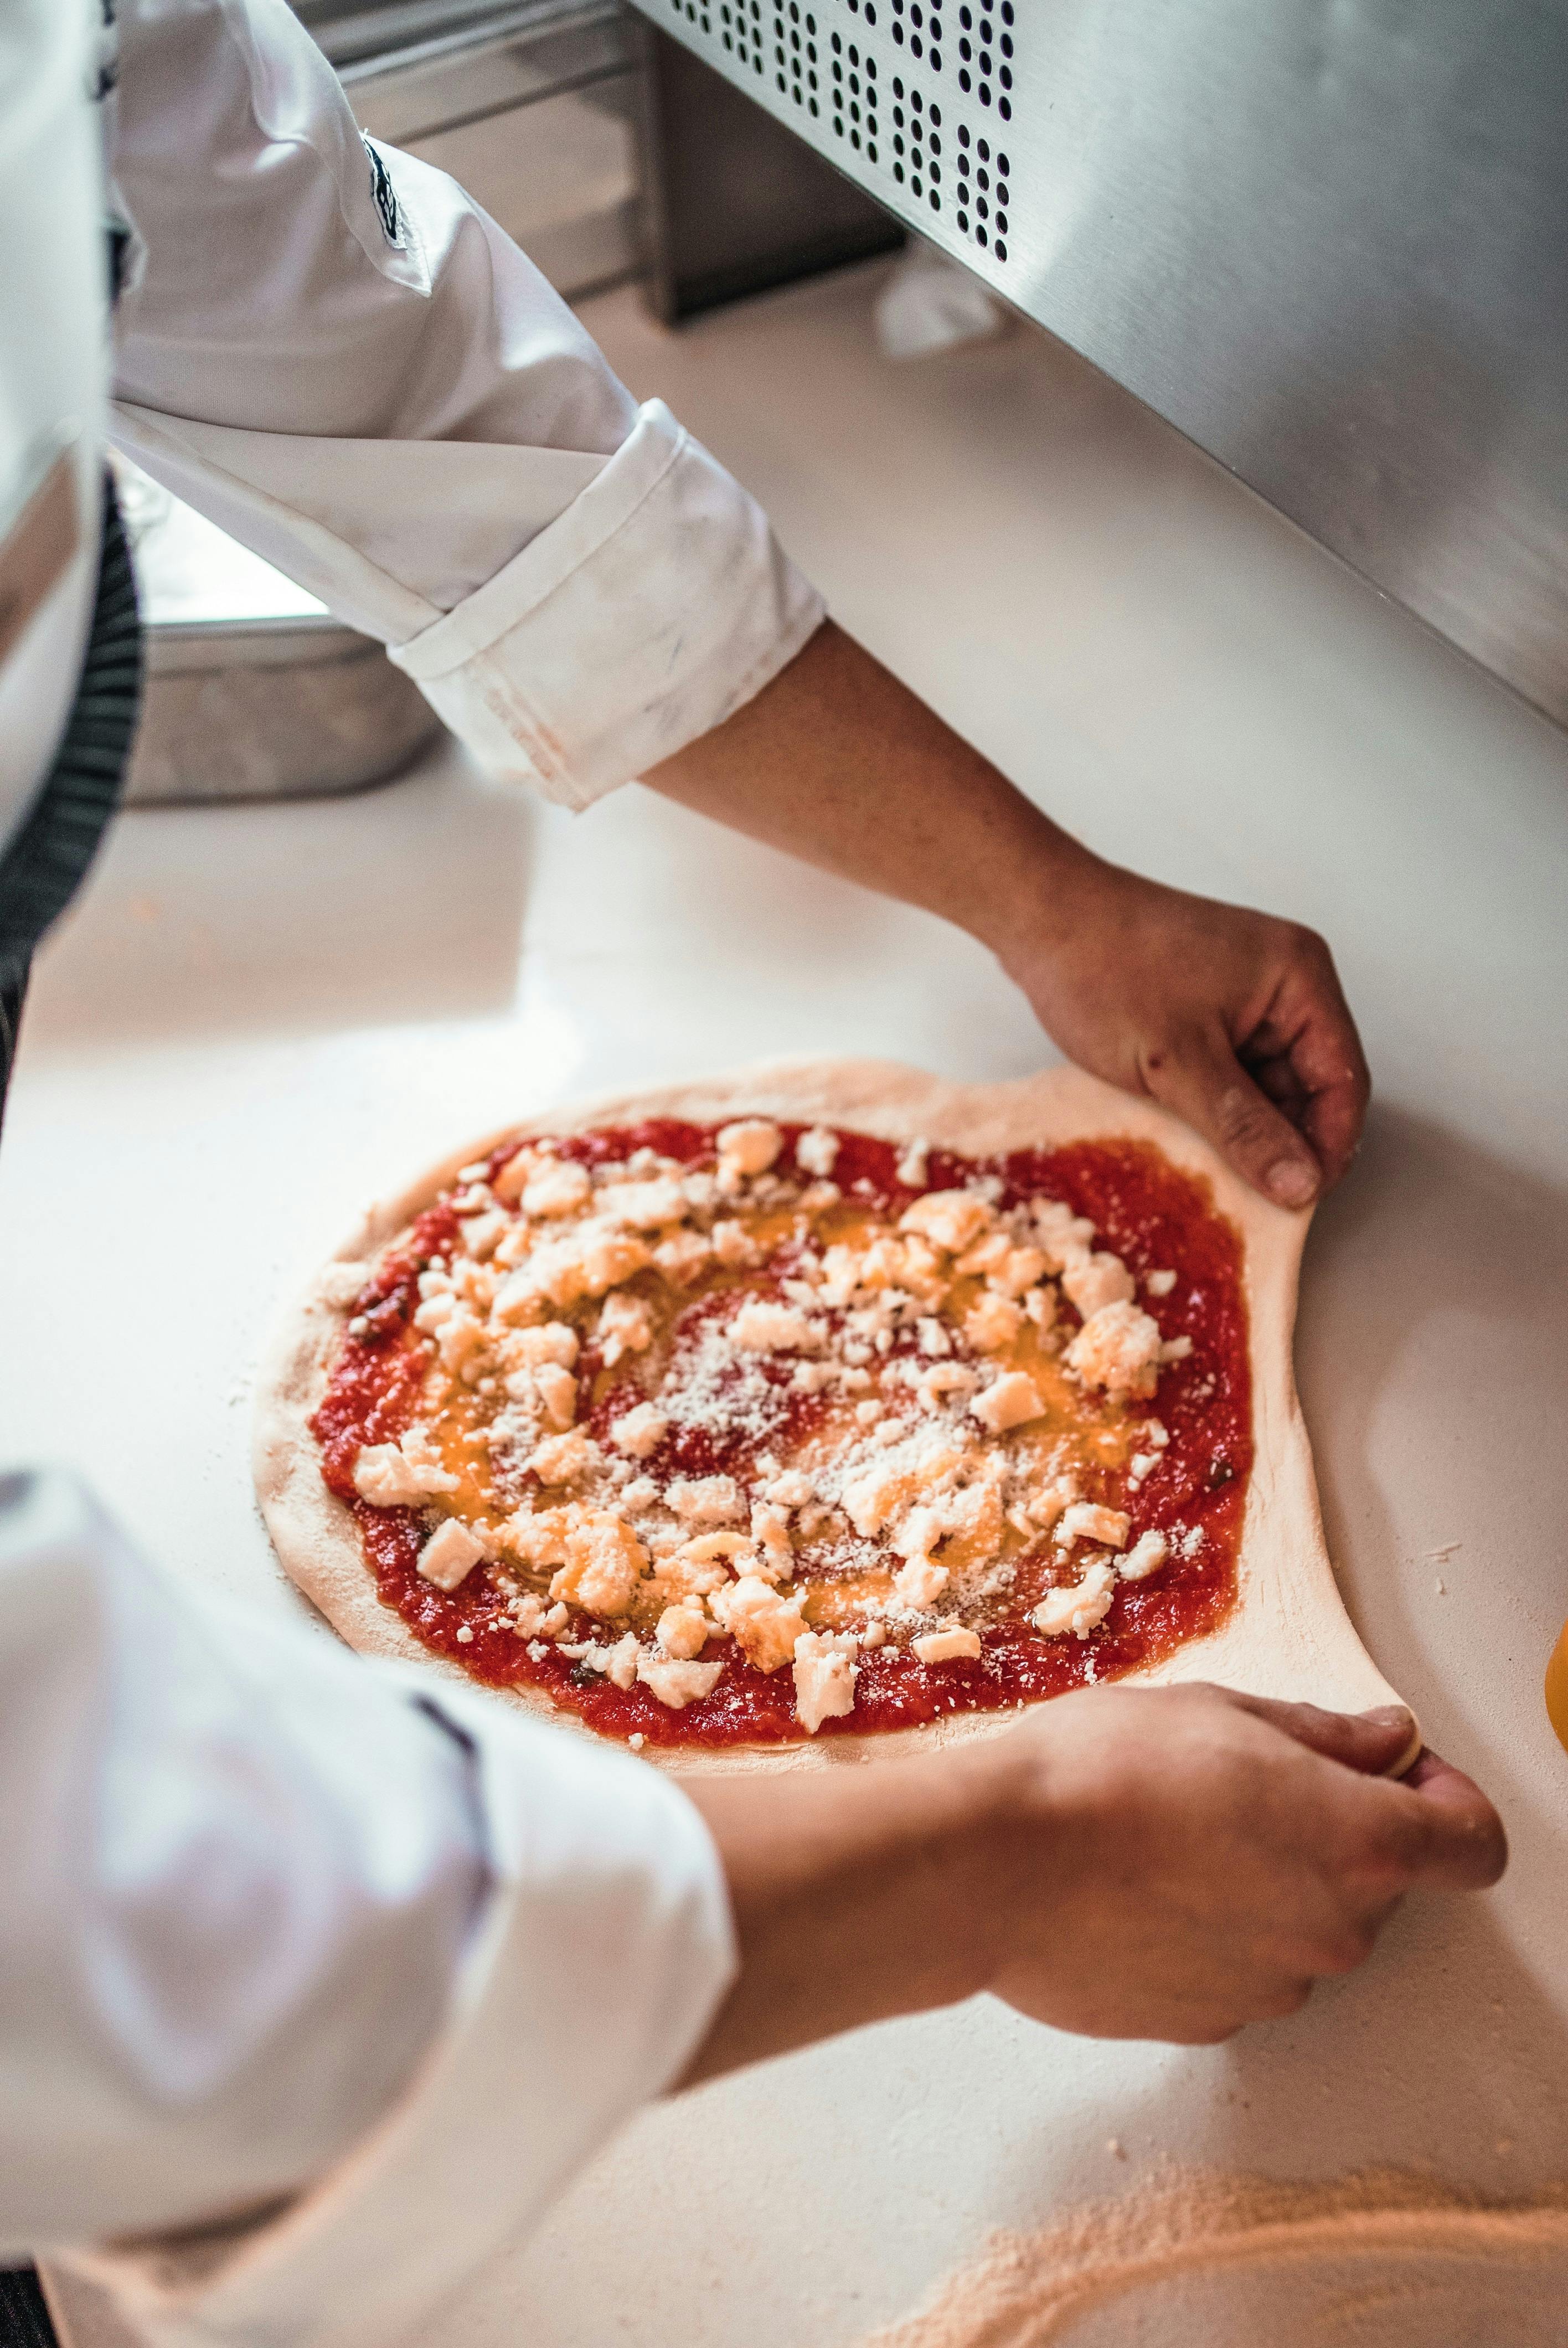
(1288, 1635)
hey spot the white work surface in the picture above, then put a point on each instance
(259, 1018)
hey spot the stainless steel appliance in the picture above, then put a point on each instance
(1327, 238)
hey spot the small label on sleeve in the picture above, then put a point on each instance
(384, 195)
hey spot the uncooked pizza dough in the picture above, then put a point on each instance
(939, 1374)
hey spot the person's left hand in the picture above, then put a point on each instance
(1233, 1019)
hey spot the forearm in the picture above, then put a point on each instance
(858, 1894)
(1231, 1018)
(840, 764)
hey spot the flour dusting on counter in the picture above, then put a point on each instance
(1385, 2258)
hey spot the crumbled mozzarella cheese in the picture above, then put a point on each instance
(1117, 1348)
(944, 1646)
(677, 1685)
(513, 1176)
(873, 1635)
(682, 1630)
(1016, 1271)
(1146, 1556)
(1065, 1237)
(625, 1327)
(399, 1476)
(762, 1328)
(911, 1166)
(978, 1260)
(950, 1219)
(919, 1534)
(583, 1262)
(450, 1555)
(703, 1499)
(559, 1188)
(920, 1582)
(950, 1377)
(1047, 1508)
(484, 1234)
(791, 1489)
(552, 1341)
(1177, 1349)
(991, 1324)
(824, 1675)
(643, 1206)
(537, 1536)
(1098, 1280)
(1011, 1401)
(641, 1431)
(557, 1390)
(1159, 1284)
(769, 1530)
(817, 1150)
(562, 1458)
(620, 1664)
(605, 1563)
(763, 1625)
(1040, 1304)
(748, 1146)
(872, 1499)
(683, 1257)
(461, 1338)
(1079, 1610)
(733, 1245)
(1087, 1520)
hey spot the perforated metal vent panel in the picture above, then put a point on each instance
(914, 101)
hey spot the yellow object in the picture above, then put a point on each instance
(1557, 1688)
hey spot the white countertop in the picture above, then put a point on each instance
(258, 1017)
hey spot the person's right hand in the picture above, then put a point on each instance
(1184, 1860)
(1126, 1862)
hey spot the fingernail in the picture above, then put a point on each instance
(1391, 1716)
(1291, 1182)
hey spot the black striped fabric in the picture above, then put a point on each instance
(44, 864)
(24, 2318)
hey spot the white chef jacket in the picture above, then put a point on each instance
(326, 347)
(318, 1978)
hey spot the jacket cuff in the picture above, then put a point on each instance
(657, 604)
(606, 1948)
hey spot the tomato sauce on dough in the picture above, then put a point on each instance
(1152, 1214)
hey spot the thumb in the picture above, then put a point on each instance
(1375, 1743)
(1199, 1076)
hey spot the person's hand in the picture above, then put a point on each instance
(1166, 1863)
(1187, 1860)
(1233, 1019)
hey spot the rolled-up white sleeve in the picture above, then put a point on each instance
(318, 1979)
(332, 352)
